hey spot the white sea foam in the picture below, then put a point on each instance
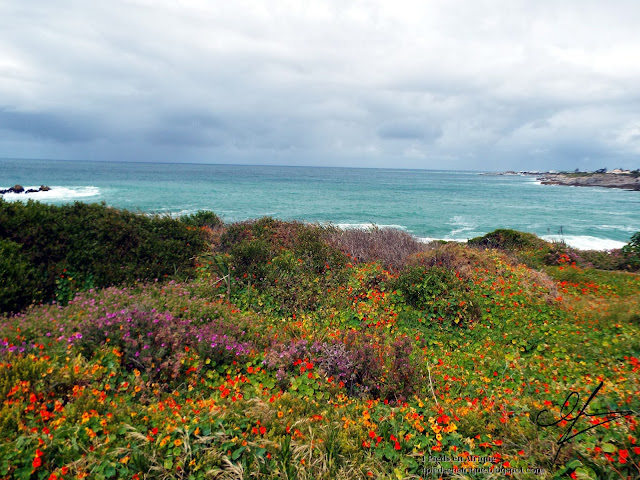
(464, 225)
(585, 242)
(55, 194)
(620, 228)
(181, 213)
(366, 226)
(582, 242)
(446, 239)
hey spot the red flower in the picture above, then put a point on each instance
(36, 462)
(372, 434)
(397, 446)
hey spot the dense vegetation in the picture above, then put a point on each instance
(297, 351)
(49, 252)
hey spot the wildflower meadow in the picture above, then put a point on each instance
(287, 350)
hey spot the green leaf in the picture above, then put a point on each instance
(236, 453)
(583, 474)
(109, 472)
(574, 464)
(608, 448)
(24, 472)
(168, 463)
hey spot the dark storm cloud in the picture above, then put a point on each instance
(62, 128)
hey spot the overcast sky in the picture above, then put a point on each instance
(473, 84)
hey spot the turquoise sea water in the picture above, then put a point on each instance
(429, 204)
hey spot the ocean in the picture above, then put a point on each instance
(429, 204)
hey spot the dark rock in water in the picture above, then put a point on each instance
(14, 189)
(606, 180)
(20, 189)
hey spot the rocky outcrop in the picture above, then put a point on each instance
(20, 189)
(607, 180)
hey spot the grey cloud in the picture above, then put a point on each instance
(439, 84)
(410, 131)
(198, 129)
(49, 126)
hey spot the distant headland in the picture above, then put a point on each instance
(617, 178)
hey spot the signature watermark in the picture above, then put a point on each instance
(606, 417)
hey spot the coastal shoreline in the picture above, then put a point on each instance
(625, 180)
(605, 180)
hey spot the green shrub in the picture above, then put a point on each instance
(284, 263)
(440, 293)
(506, 239)
(631, 253)
(18, 278)
(100, 245)
(202, 218)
